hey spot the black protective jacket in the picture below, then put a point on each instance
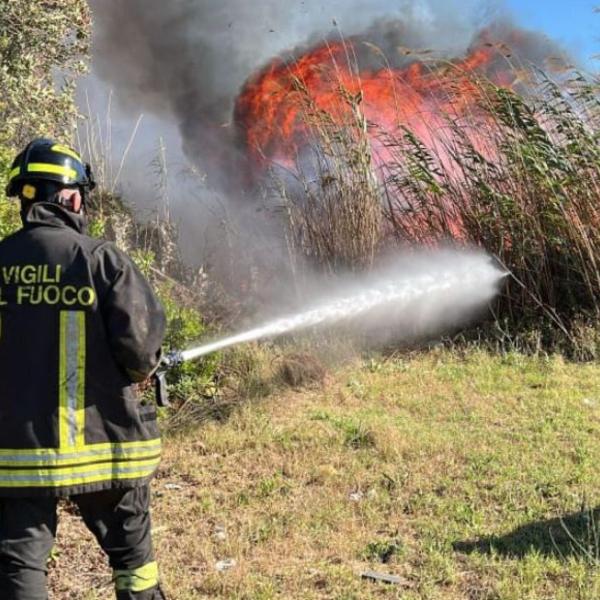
(79, 325)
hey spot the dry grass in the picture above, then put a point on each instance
(517, 176)
(336, 222)
(529, 198)
(412, 466)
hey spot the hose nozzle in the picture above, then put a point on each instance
(172, 359)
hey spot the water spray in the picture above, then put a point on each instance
(455, 282)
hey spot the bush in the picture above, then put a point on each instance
(37, 41)
(175, 285)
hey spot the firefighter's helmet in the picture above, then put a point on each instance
(44, 160)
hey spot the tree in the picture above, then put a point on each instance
(44, 46)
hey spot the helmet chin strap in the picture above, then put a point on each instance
(85, 193)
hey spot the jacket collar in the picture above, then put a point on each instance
(53, 215)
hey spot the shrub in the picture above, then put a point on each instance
(37, 41)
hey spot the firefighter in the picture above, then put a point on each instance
(79, 326)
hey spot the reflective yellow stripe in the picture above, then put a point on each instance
(66, 150)
(83, 456)
(54, 169)
(80, 400)
(84, 469)
(94, 463)
(56, 478)
(63, 428)
(14, 172)
(136, 580)
(106, 447)
(72, 379)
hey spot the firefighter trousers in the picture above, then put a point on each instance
(120, 521)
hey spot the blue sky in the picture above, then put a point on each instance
(572, 23)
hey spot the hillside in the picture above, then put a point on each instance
(446, 470)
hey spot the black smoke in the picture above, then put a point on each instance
(186, 60)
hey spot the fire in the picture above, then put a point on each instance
(275, 112)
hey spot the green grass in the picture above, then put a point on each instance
(451, 472)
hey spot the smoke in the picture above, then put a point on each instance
(186, 56)
(186, 60)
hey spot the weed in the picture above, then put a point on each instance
(383, 550)
(583, 538)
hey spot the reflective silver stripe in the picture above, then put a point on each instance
(72, 335)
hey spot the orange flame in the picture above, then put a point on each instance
(274, 109)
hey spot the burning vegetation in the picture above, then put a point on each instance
(344, 150)
(411, 90)
(489, 150)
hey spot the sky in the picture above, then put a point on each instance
(572, 23)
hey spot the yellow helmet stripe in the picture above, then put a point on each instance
(14, 172)
(54, 169)
(65, 150)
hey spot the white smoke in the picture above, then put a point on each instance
(412, 297)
